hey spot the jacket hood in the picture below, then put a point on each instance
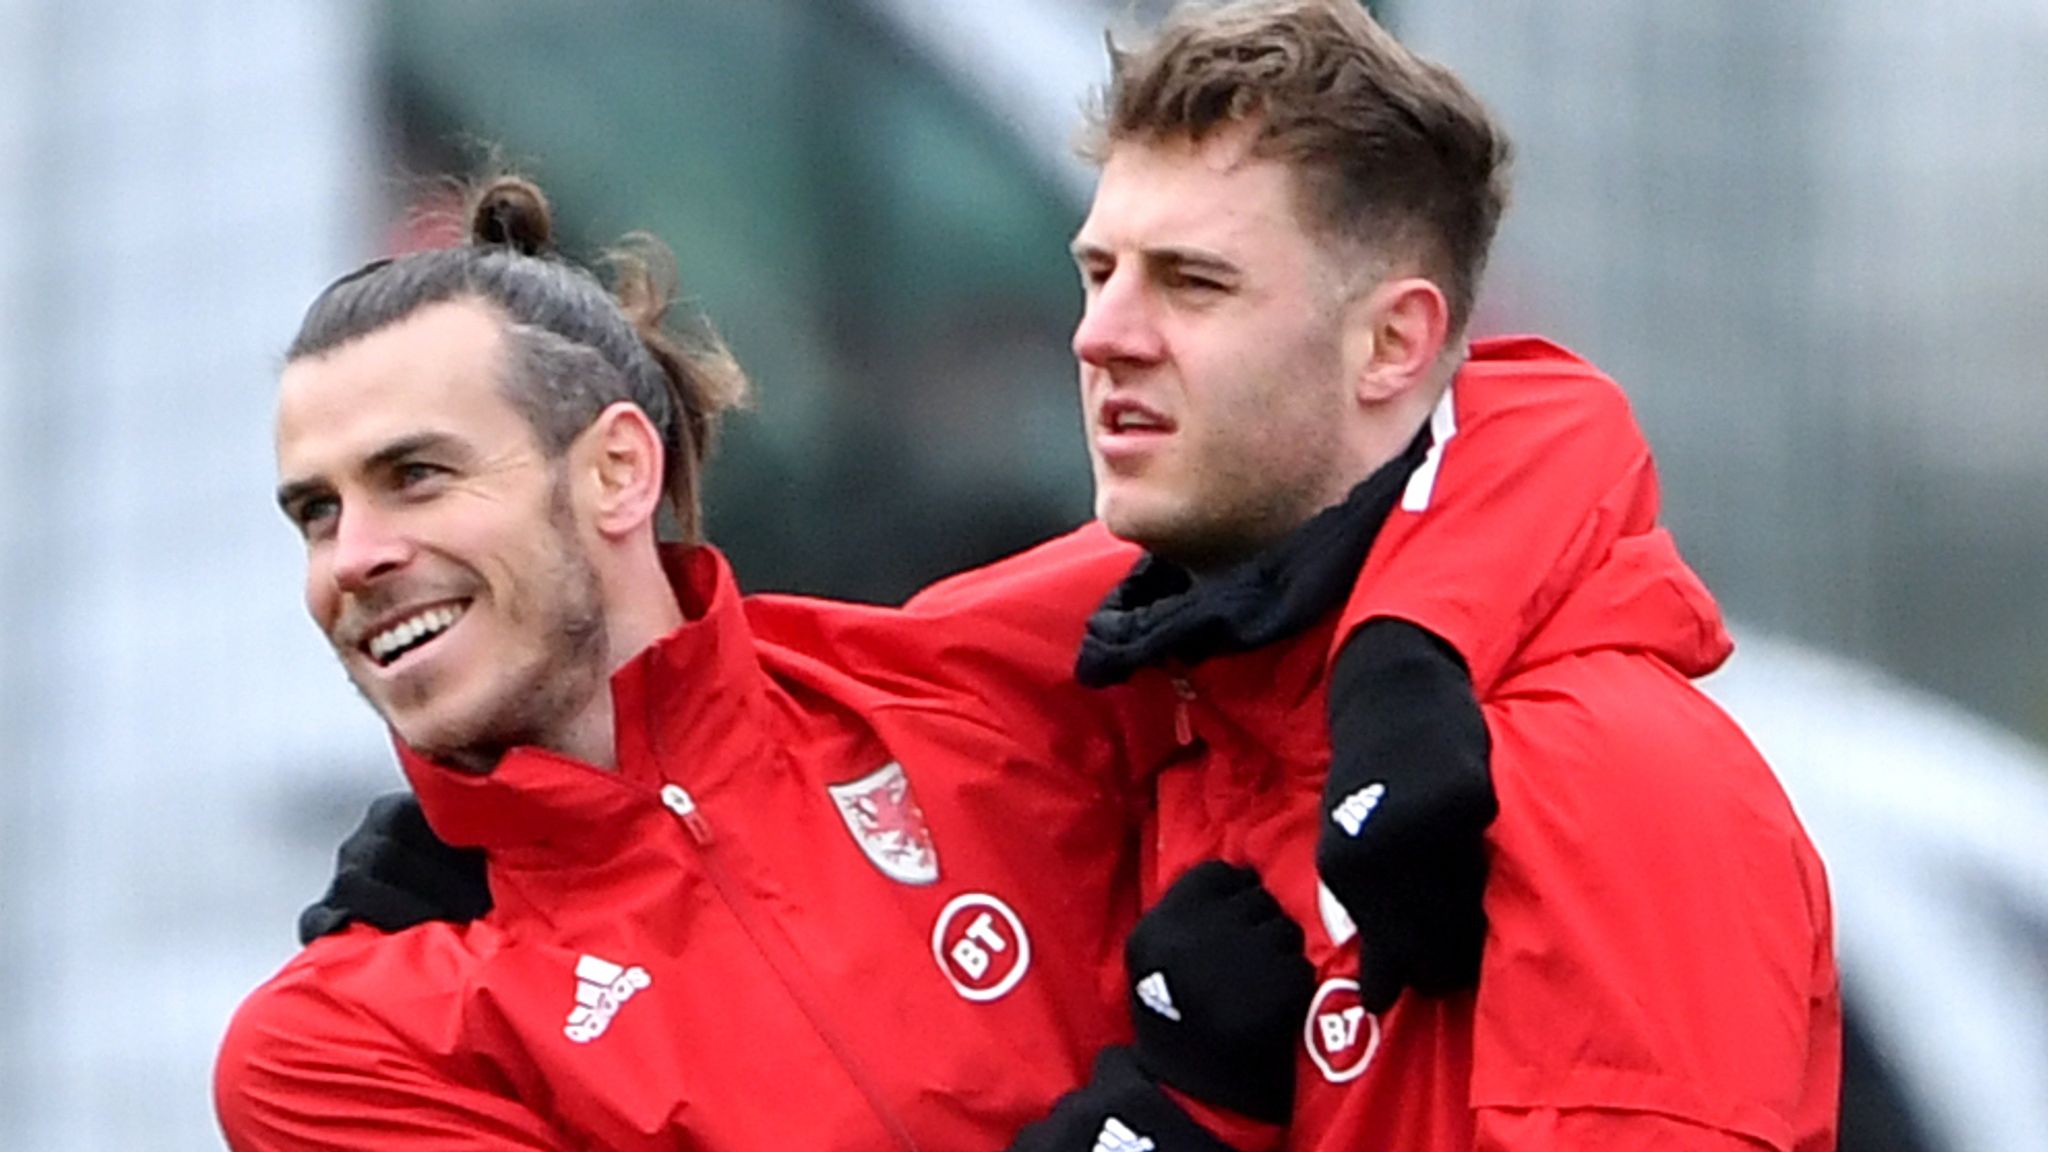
(1640, 597)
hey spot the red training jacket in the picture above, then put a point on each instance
(1659, 969)
(806, 912)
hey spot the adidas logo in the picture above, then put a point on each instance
(1116, 1136)
(1352, 813)
(1153, 994)
(602, 988)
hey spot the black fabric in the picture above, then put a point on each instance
(1403, 716)
(1879, 1113)
(393, 872)
(1160, 613)
(1229, 989)
(1405, 810)
(1120, 1109)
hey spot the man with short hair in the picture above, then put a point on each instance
(1290, 224)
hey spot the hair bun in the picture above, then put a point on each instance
(511, 212)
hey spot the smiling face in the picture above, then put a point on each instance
(442, 555)
(1216, 363)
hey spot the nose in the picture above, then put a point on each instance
(367, 547)
(1117, 326)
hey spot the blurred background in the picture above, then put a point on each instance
(1811, 240)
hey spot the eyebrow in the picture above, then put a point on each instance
(1200, 258)
(1171, 256)
(292, 491)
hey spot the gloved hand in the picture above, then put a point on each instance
(393, 872)
(1219, 990)
(1405, 811)
(1120, 1109)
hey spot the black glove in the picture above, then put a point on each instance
(1405, 811)
(1120, 1109)
(1219, 991)
(393, 872)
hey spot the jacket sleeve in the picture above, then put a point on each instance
(997, 643)
(302, 1069)
(1538, 467)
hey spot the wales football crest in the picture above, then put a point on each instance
(882, 813)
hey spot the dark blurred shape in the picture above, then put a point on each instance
(1875, 1115)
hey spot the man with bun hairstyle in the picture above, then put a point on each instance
(742, 899)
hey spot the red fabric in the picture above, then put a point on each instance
(1659, 971)
(1240, 1132)
(793, 997)
(1546, 468)
(1659, 968)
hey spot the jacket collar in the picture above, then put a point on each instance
(688, 709)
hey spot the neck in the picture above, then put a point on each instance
(636, 620)
(640, 609)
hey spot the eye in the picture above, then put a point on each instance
(412, 474)
(1194, 282)
(314, 515)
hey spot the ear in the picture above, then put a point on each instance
(619, 463)
(1400, 328)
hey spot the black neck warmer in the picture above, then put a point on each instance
(1160, 613)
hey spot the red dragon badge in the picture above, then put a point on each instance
(882, 813)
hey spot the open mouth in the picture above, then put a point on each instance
(388, 644)
(1122, 417)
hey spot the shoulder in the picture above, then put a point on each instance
(1071, 572)
(1659, 936)
(346, 999)
(1623, 786)
(360, 1043)
(1007, 627)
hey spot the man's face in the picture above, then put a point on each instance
(1214, 378)
(442, 557)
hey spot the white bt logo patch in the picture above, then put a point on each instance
(1340, 1034)
(1117, 1136)
(1354, 810)
(981, 946)
(1152, 993)
(602, 988)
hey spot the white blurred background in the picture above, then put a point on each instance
(1811, 239)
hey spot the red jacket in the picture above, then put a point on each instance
(707, 947)
(1659, 968)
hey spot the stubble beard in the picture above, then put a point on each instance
(559, 604)
(1241, 496)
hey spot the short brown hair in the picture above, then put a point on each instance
(1392, 151)
(574, 347)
